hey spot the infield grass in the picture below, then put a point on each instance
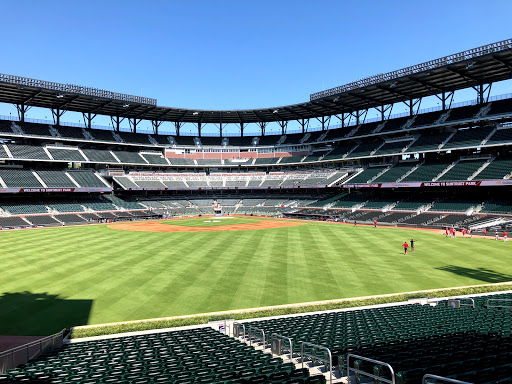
(60, 277)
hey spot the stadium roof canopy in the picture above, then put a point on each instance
(472, 68)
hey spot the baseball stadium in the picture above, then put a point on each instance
(302, 244)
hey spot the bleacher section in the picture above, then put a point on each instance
(366, 175)
(394, 173)
(469, 344)
(19, 179)
(188, 356)
(453, 205)
(66, 154)
(426, 172)
(87, 179)
(56, 179)
(496, 170)
(462, 170)
(129, 157)
(98, 155)
(28, 152)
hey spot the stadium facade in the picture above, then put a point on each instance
(449, 166)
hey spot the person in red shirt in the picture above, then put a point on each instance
(463, 232)
(505, 237)
(375, 224)
(485, 232)
(451, 232)
(405, 245)
(446, 232)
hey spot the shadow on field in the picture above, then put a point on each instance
(482, 274)
(39, 314)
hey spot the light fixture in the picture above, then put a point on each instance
(393, 84)
(60, 96)
(336, 99)
(275, 110)
(126, 105)
(196, 113)
(470, 65)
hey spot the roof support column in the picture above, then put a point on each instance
(303, 124)
(220, 128)
(412, 103)
(283, 125)
(445, 96)
(156, 124)
(483, 92)
(88, 117)
(324, 120)
(241, 128)
(177, 126)
(263, 126)
(57, 113)
(133, 124)
(199, 128)
(22, 109)
(383, 109)
(116, 122)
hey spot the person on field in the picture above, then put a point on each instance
(355, 222)
(405, 245)
(446, 232)
(470, 232)
(412, 244)
(505, 239)
(485, 232)
(451, 233)
(463, 232)
(375, 224)
(496, 236)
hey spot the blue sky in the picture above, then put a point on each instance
(236, 54)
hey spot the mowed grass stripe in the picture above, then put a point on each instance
(95, 274)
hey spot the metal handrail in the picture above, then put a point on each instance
(498, 306)
(441, 378)
(314, 357)
(239, 325)
(31, 344)
(472, 305)
(251, 335)
(275, 335)
(26, 347)
(392, 381)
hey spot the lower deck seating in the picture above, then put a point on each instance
(414, 339)
(70, 219)
(44, 220)
(421, 219)
(191, 356)
(12, 222)
(395, 217)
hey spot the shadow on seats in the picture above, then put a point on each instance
(40, 314)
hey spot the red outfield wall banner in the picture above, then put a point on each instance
(473, 183)
(56, 190)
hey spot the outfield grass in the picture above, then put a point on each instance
(60, 277)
